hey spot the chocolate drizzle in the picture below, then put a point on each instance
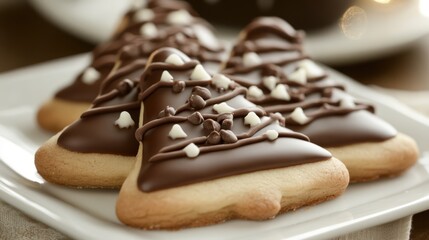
(96, 131)
(222, 143)
(327, 108)
(119, 91)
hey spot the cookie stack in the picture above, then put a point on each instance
(194, 137)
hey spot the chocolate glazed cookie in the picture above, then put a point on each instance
(208, 155)
(101, 149)
(268, 58)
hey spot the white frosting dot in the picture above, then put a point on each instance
(124, 120)
(166, 77)
(311, 68)
(251, 59)
(347, 102)
(149, 30)
(272, 134)
(270, 82)
(223, 108)
(174, 59)
(221, 81)
(144, 15)
(177, 132)
(255, 92)
(90, 75)
(299, 76)
(299, 116)
(192, 150)
(252, 119)
(200, 73)
(280, 92)
(180, 17)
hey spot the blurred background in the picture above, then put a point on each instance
(383, 43)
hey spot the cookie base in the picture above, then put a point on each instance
(81, 170)
(254, 196)
(56, 114)
(371, 161)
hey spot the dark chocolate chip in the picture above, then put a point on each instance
(224, 116)
(213, 138)
(228, 136)
(196, 118)
(168, 111)
(227, 124)
(211, 125)
(202, 92)
(178, 86)
(197, 102)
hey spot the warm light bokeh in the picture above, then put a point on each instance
(354, 22)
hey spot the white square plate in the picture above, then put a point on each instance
(90, 214)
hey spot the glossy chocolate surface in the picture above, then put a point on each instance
(99, 134)
(227, 145)
(96, 132)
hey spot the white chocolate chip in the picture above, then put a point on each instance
(166, 77)
(180, 17)
(299, 116)
(347, 102)
(280, 92)
(272, 134)
(177, 132)
(149, 30)
(299, 76)
(251, 59)
(223, 108)
(255, 92)
(221, 81)
(90, 75)
(144, 15)
(311, 68)
(270, 82)
(174, 59)
(192, 150)
(252, 119)
(200, 73)
(124, 120)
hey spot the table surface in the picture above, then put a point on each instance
(24, 31)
